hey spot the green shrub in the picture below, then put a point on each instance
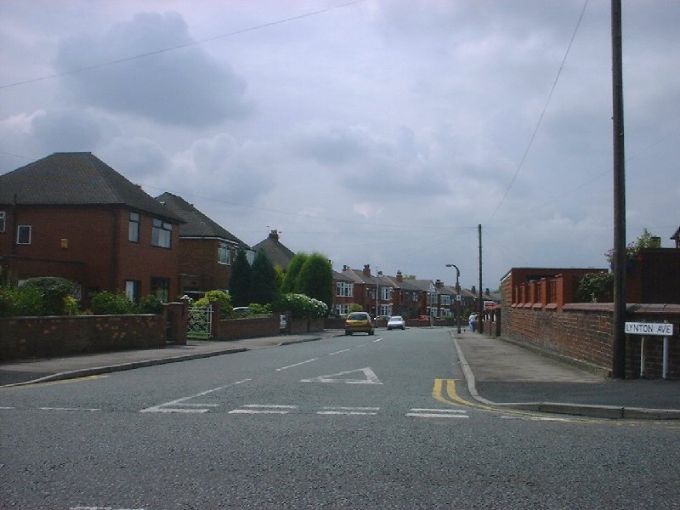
(217, 296)
(596, 287)
(108, 303)
(301, 306)
(53, 291)
(258, 309)
(70, 305)
(150, 304)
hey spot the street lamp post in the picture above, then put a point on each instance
(457, 295)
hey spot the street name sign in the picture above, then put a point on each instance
(649, 328)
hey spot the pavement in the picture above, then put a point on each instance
(498, 374)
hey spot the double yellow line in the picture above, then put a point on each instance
(444, 390)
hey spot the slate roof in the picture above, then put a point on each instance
(76, 178)
(277, 253)
(197, 224)
(419, 285)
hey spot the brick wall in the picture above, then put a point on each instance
(236, 329)
(44, 337)
(583, 331)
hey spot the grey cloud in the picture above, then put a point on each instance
(69, 130)
(184, 87)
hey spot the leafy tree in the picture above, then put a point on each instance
(645, 240)
(239, 282)
(597, 287)
(355, 307)
(316, 279)
(290, 283)
(263, 288)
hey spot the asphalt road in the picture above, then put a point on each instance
(348, 422)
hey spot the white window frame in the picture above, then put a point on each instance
(161, 233)
(3, 220)
(385, 294)
(223, 253)
(20, 228)
(132, 290)
(344, 289)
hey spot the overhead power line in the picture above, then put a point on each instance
(540, 118)
(177, 47)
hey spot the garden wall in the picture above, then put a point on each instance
(583, 332)
(44, 337)
(237, 329)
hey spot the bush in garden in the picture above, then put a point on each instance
(70, 306)
(54, 290)
(108, 303)
(25, 301)
(258, 309)
(301, 306)
(150, 304)
(217, 296)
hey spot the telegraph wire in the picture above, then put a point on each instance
(540, 118)
(178, 46)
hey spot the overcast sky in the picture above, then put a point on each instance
(377, 132)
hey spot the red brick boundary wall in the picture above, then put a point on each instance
(237, 329)
(583, 332)
(298, 326)
(44, 337)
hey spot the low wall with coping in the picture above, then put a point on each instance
(238, 329)
(45, 337)
(583, 332)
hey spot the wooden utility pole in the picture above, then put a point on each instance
(480, 311)
(619, 336)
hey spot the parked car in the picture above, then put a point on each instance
(359, 322)
(396, 322)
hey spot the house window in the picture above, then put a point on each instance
(2, 221)
(161, 233)
(344, 289)
(132, 290)
(342, 309)
(24, 234)
(385, 310)
(160, 287)
(133, 227)
(223, 253)
(385, 293)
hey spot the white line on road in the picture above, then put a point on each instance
(3, 408)
(348, 411)
(67, 409)
(264, 409)
(338, 352)
(437, 413)
(167, 407)
(377, 340)
(296, 364)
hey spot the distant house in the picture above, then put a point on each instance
(72, 215)
(206, 249)
(344, 293)
(278, 254)
(676, 237)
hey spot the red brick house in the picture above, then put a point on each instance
(277, 253)
(71, 215)
(206, 249)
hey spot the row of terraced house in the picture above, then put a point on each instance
(72, 215)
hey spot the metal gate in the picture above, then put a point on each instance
(199, 325)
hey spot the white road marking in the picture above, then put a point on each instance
(349, 411)
(437, 413)
(101, 508)
(296, 364)
(369, 377)
(338, 352)
(3, 408)
(179, 405)
(263, 409)
(67, 409)
(377, 340)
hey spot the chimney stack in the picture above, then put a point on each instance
(400, 277)
(274, 235)
(367, 270)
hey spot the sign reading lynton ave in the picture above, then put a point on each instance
(649, 328)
